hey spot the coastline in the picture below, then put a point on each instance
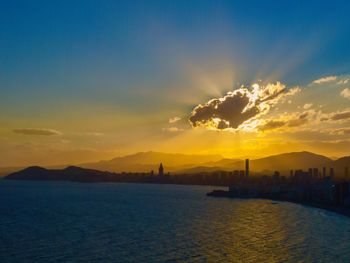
(335, 209)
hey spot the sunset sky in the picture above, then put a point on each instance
(89, 80)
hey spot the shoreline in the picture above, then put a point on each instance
(335, 209)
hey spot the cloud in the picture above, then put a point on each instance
(324, 80)
(94, 134)
(239, 106)
(173, 129)
(343, 81)
(307, 106)
(341, 131)
(341, 116)
(345, 93)
(272, 125)
(288, 121)
(174, 119)
(337, 116)
(32, 131)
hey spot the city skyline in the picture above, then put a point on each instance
(83, 83)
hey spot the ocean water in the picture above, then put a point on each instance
(77, 222)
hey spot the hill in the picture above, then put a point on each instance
(147, 161)
(71, 173)
(281, 162)
(293, 160)
(191, 164)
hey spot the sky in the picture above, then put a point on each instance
(82, 81)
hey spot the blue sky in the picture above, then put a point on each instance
(64, 60)
(66, 41)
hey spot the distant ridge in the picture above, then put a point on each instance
(184, 163)
(72, 173)
(280, 162)
(147, 161)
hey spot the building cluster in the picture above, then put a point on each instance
(313, 186)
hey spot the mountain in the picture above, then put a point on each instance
(182, 163)
(341, 163)
(191, 164)
(147, 161)
(71, 173)
(281, 162)
(6, 170)
(291, 161)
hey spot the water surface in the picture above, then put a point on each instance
(70, 222)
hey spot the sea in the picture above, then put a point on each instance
(119, 222)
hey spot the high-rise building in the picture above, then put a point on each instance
(161, 170)
(310, 172)
(247, 168)
(346, 172)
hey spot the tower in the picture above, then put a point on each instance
(247, 168)
(161, 170)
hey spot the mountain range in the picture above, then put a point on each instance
(185, 163)
(182, 163)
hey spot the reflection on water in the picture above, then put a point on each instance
(57, 221)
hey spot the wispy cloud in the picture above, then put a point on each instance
(34, 131)
(307, 106)
(239, 106)
(173, 129)
(324, 80)
(174, 119)
(341, 131)
(287, 121)
(345, 93)
(343, 81)
(337, 116)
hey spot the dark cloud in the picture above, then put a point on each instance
(238, 106)
(227, 112)
(31, 131)
(341, 116)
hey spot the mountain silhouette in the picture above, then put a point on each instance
(191, 164)
(147, 161)
(281, 162)
(71, 173)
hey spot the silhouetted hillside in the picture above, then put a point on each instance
(294, 160)
(7, 170)
(280, 162)
(191, 164)
(70, 173)
(146, 161)
(341, 163)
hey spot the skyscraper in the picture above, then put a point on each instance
(323, 172)
(247, 168)
(161, 170)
